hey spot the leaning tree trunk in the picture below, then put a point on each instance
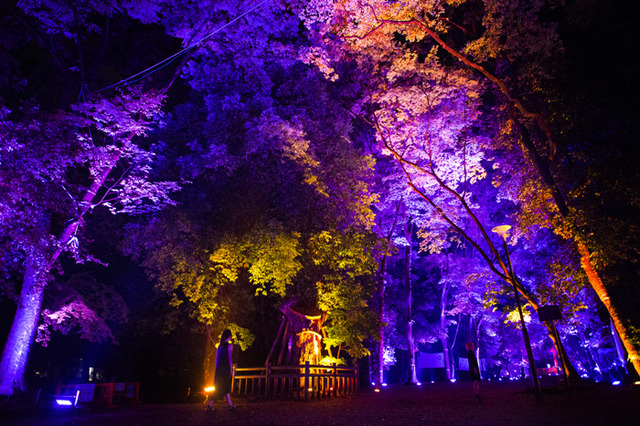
(23, 330)
(601, 291)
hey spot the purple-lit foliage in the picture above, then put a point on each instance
(405, 41)
(58, 170)
(279, 200)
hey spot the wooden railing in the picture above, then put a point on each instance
(302, 382)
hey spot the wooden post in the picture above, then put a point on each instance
(357, 379)
(306, 380)
(267, 380)
(334, 381)
(233, 376)
(110, 394)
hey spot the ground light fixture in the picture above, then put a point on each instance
(68, 401)
(502, 232)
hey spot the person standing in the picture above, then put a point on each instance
(224, 366)
(474, 369)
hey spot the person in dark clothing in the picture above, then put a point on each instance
(474, 369)
(224, 366)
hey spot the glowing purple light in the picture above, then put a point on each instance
(384, 384)
(64, 402)
(616, 383)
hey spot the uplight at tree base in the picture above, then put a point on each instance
(209, 389)
(69, 401)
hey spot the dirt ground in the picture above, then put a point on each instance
(432, 404)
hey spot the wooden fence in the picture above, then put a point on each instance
(302, 382)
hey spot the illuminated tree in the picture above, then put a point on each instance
(95, 161)
(279, 200)
(514, 62)
(58, 167)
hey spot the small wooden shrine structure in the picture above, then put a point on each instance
(293, 368)
(299, 338)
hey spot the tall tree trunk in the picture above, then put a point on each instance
(445, 331)
(209, 359)
(413, 378)
(617, 343)
(381, 280)
(23, 330)
(618, 322)
(475, 338)
(380, 372)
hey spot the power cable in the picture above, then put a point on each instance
(160, 65)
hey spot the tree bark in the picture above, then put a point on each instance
(445, 332)
(380, 372)
(383, 270)
(601, 291)
(23, 330)
(413, 378)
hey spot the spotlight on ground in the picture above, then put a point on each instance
(67, 401)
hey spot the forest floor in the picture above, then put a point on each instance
(503, 403)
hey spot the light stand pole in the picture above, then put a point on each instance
(502, 232)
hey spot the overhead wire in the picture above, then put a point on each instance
(163, 63)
